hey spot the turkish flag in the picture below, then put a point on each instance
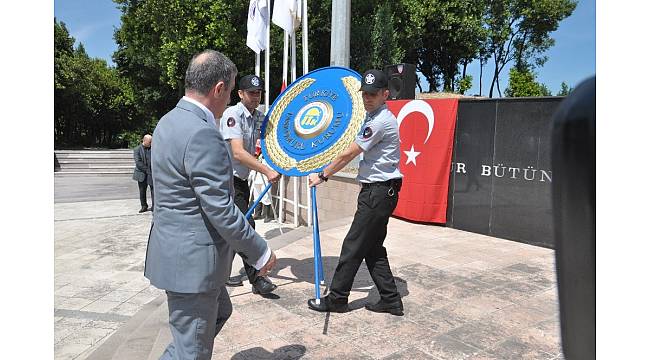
(426, 129)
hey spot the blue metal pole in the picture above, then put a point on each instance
(252, 208)
(320, 257)
(316, 241)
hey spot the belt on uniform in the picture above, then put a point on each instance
(392, 183)
(241, 181)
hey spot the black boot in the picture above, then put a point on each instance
(268, 213)
(257, 213)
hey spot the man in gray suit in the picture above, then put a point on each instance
(196, 225)
(142, 171)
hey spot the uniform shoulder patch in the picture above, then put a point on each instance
(230, 122)
(367, 133)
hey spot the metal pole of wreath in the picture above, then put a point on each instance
(308, 125)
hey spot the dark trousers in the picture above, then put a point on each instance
(365, 241)
(242, 194)
(142, 186)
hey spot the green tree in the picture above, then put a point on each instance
(519, 31)
(523, 84)
(386, 49)
(158, 38)
(446, 34)
(564, 89)
(93, 105)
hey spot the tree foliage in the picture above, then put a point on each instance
(386, 49)
(93, 106)
(523, 84)
(564, 89)
(519, 31)
(446, 34)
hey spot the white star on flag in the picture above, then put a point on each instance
(411, 154)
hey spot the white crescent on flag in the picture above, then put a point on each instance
(420, 106)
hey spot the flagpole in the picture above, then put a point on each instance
(285, 60)
(305, 42)
(257, 64)
(267, 58)
(293, 56)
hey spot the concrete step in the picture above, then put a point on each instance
(161, 343)
(93, 173)
(90, 151)
(135, 339)
(97, 160)
(95, 156)
(139, 345)
(109, 166)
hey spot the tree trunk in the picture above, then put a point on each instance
(494, 78)
(480, 79)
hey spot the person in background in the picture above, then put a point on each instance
(240, 128)
(142, 171)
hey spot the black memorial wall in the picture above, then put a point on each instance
(501, 174)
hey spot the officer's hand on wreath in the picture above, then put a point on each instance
(314, 180)
(270, 264)
(272, 175)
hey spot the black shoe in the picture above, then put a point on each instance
(327, 305)
(234, 281)
(144, 208)
(267, 213)
(257, 213)
(394, 308)
(263, 286)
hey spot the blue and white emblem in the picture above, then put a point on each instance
(312, 119)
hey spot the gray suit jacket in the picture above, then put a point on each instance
(142, 170)
(196, 225)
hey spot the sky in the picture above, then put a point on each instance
(572, 59)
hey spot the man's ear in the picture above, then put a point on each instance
(219, 88)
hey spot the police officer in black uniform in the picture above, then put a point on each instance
(381, 181)
(240, 126)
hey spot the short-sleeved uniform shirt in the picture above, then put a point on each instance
(238, 123)
(379, 139)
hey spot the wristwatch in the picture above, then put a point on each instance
(322, 176)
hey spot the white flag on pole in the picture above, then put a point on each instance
(256, 25)
(287, 14)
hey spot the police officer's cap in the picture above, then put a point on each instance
(251, 83)
(373, 80)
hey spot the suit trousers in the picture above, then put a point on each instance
(195, 320)
(365, 241)
(242, 196)
(142, 186)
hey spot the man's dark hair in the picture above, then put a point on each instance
(206, 69)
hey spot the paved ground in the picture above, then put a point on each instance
(95, 188)
(467, 296)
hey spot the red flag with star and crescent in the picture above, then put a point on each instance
(426, 129)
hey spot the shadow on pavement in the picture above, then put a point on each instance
(303, 271)
(293, 351)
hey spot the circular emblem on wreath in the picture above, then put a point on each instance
(312, 119)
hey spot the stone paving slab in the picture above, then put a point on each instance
(466, 296)
(475, 306)
(99, 251)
